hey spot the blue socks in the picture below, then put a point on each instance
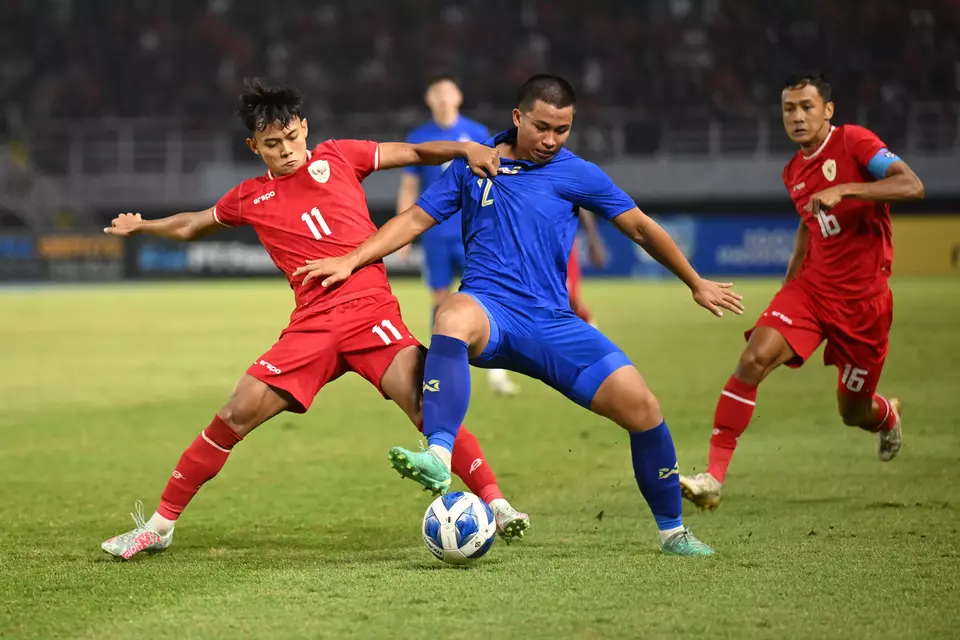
(446, 390)
(657, 473)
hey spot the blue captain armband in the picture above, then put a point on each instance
(880, 163)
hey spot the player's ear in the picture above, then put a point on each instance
(252, 145)
(516, 117)
(828, 110)
(303, 125)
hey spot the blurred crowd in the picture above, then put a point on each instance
(93, 58)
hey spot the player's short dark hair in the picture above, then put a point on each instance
(442, 77)
(552, 90)
(813, 79)
(261, 106)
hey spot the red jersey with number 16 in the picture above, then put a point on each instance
(319, 211)
(850, 247)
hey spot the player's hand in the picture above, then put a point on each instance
(826, 199)
(482, 160)
(716, 296)
(333, 270)
(124, 224)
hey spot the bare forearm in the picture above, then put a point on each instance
(664, 250)
(398, 232)
(182, 226)
(438, 152)
(654, 240)
(590, 226)
(407, 197)
(896, 188)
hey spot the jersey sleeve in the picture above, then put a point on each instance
(227, 209)
(868, 151)
(444, 197)
(362, 155)
(589, 187)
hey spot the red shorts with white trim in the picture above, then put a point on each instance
(362, 335)
(857, 333)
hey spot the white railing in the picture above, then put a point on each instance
(156, 146)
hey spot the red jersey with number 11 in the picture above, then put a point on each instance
(850, 247)
(319, 211)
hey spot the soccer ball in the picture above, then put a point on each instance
(458, 528)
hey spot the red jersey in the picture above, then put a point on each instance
(319, 211)
(850, 247)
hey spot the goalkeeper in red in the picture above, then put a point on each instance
(842, 181)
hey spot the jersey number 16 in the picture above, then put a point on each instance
(829, 225)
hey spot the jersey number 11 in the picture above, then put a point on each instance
(316, 223)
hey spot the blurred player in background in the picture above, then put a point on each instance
(513, 310)
(443, 256)
(841, 181)
(309, 202)
(596, 256)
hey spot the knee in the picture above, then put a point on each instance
(456, 321)
(754, 364)
(239, 415)
(648, 411)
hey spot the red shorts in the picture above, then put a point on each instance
(857, 333)
(362, 335)
(573, 274)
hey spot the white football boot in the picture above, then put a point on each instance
(141, 538)
(511, 524)
(702, 490)
(890, 441)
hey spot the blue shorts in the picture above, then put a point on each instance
(443, 258)
(555, 346)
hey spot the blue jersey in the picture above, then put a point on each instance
(519, 227)
(463, 130)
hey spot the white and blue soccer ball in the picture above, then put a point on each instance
(458, 528)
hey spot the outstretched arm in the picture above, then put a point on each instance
(398, 232)
(651, 237)
(182, 226)
(482, 160)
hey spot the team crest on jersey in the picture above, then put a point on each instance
(830, 170)
(319, 171)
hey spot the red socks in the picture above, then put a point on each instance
(470, 466)
(202, 460)
(883, 418)
(732, 416)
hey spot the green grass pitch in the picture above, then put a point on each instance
(308, 533)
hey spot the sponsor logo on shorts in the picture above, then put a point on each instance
(264, 197)
(666, 472)
(777, 314)
(269, 367)
(432, 386)
(476, 464)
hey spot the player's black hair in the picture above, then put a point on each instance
(552, 90)
(813, 79)
(261, 106)
(442, 77)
